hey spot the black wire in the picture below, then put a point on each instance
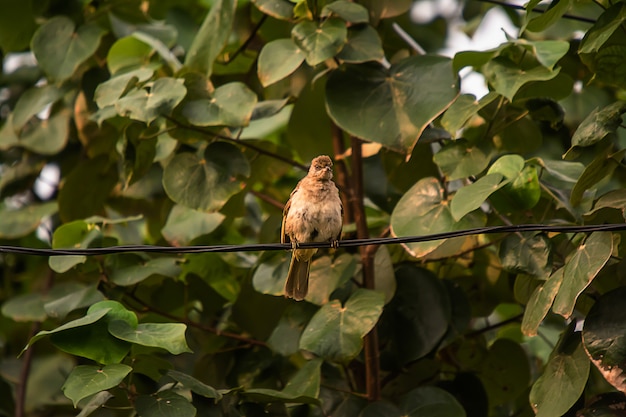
(285, 246)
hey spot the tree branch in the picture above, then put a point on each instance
(343, 178)
(537, 10)
(248, 41)
(372, 355)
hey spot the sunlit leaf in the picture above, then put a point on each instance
(581, 269)
(168, 336)
(471, 197)
(563, 379)
(604, 337)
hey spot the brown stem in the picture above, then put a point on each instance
(20, 394)
(269, 200)
(341, 170)
(248, 41)
(372, 355)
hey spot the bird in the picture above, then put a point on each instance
(313, 213)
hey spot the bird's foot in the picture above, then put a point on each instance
(334, 244)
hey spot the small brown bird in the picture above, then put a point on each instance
(314, 213)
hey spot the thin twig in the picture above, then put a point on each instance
(269, 200)
(247, 42)
(243, 143)
(495, 325)
(195, 324)
(537, 10)
(408, 39)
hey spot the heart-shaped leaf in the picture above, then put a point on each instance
(232, 105)
(60, 50)
(277, 60)
(85, 380)
(364, 44)
(206, 183)
(382, 105)
(336, 332)
(320, 42)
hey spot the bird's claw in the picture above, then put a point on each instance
(334, 244)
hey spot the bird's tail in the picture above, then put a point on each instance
(297, 283)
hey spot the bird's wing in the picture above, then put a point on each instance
(284, 238)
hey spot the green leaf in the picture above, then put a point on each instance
(32, 102)
(20, 222)
(45, 137)
(335, 332)
(602, 166)
(430, 402)
(320, 42)
(286, 335)
(419, 314)
(348, 11)
(161, 48)
(598, 124)
(604, 336)
(459, 159)
(422, 210)
(603, 29)
(552, 15)
(59, 50)
(24, 307)
(581, 269)
(364, 44)
(211, 37)
(232, 105)
(463, 109)
(195, 385)
(303, 387)
(269, 277)
(540, 302)
(108, 92)
(164, 404)
(184, 224)
(88, 380)
(137, 272)
(278, 9)
(277, 60)
(563, 379)
(613, 199)
(471, 197)
(212, 268)
(77, 234)
(95, 403)
(128, 53)
(326, 276)
(523, 189)
(88, 319)
(168, 336)
(93, 341)
(528, 253)
(143, 105)
(381, 105)
(206, 184)
(507, 78)
(505, 372)
(63, 299)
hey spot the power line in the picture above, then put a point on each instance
(286, 246)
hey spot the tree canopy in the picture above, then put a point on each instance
(188, 123)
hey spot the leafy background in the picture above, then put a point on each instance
(189, 122)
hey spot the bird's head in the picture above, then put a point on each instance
(321, 168)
